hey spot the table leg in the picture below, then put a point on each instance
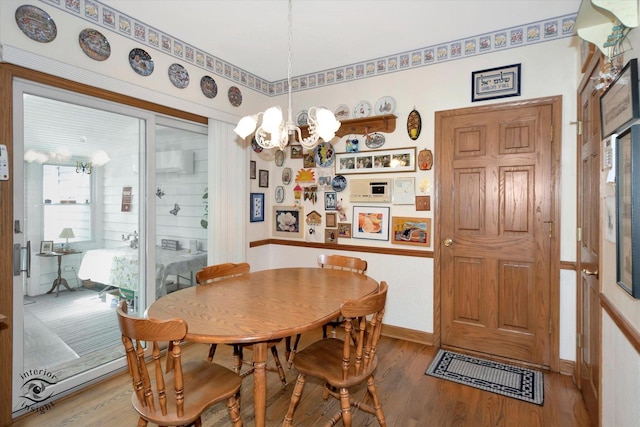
(59, 280)
(260, 382)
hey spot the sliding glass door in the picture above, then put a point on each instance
(81, 235)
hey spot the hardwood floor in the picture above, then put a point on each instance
(409, 398)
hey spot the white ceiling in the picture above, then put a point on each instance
(252, 34)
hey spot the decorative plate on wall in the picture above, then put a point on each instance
(254, 145)
(342, 112)
(324, 154)
(414, 124)
(235, 96)
(374, 141)
(94, 44)
(286, 176)
(141, 62)
(302, 117)
(339, 183)
(279, 156)
(208, 86)
(36, 23)
(279, 194)
(385, 105)
(362, 109)
(179, 76)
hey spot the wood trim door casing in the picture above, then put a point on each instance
(554, 297)
(9, 72)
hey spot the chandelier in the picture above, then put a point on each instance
(275, 132)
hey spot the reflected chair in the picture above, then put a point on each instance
(338, 262)
(215, 273)
(342, 364)
(179, 396)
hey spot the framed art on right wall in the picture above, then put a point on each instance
(628, 211)
(619, 103)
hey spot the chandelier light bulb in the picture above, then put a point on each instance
(246, 126)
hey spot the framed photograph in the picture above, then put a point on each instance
(379, 161)
(309, 160)
(287, 221)
(493, 83)
(324, 180)
(252, 169)
(296, 151)
(256, 204)
(627, 211)
(411, 231)
(330, 201)
(46, 246)
(370, 223)
(619, 103)
(344, 230)
(279, 158)
(263, 180)
(331, 235)
(404, 192)
(331, 220)
(423, 203)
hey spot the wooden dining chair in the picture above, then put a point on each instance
(215, 273)
(179, 396)
(341, 364)
(338, 262)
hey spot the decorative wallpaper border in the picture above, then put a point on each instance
(111, 19)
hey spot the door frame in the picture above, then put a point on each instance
(8, 72)
(593, 402)
(556, 148)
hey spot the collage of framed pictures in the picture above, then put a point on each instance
(263, 178)
(411, 231)
(379, 161)
(287, 221)
(370, 222)
(256, 204)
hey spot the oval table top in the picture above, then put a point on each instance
(262, 305)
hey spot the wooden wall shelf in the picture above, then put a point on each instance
(385, 123)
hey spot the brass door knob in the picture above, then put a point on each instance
(448, 242)
(590, 273)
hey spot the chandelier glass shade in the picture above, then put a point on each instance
(274, 132)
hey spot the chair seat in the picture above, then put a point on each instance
(198, 377)
(323, 359)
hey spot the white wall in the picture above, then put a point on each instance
(620, 361)
(548, 69)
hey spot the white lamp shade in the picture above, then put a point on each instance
(67, 233)
(100, 158)
(246, 126)
(327, 124)
(272, 120)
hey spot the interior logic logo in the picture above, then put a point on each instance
(35, 389)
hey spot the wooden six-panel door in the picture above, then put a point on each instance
(588, 209)
(497, 220)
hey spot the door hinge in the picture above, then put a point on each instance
(579, 340)
(549, 326)
(579, 234)
(550, 228)
(578, 126)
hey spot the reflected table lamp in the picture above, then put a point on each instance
(67, 233)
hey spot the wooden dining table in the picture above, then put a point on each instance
(261, 306)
